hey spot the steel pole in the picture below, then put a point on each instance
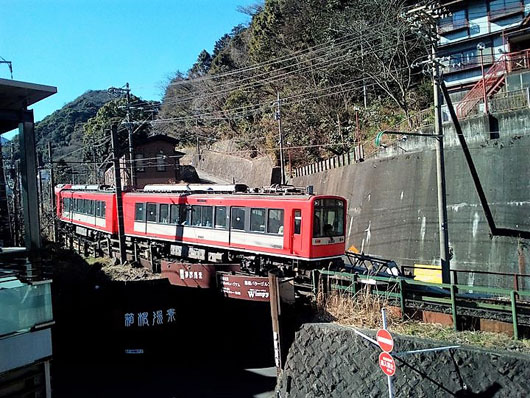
(274, 292)
(279, 116)
(440, 175)
(119, 199)
(130, 134)
(483, 82)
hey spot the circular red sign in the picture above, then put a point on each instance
(387, 364)
(385, 340)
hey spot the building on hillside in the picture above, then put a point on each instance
(156, 162)
(484, 39)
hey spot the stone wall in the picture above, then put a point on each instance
(327, 360)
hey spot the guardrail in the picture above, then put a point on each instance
(403, 291)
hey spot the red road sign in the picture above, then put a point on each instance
(387, 364)
(385, 340)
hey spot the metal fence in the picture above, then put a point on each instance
(357, 155)
(412, 295)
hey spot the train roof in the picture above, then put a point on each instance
(206, 191)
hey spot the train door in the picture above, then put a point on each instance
(297, 232)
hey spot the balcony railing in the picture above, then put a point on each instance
(499, 13)
(469, 63)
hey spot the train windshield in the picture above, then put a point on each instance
(329, 218)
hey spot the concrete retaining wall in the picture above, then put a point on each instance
(331, 361)
(392, 206)
(258, 172)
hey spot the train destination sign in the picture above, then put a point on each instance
(387, 364)
(385, 340)
(244, 287)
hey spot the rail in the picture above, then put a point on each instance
(408, 294)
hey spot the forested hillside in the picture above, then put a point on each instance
(330, 62)
(64, 127)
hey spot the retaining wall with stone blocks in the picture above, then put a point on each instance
(327, 360)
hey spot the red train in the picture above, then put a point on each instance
(216, 224)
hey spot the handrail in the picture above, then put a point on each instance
(505, 64)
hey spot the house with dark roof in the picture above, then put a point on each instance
(156, 161)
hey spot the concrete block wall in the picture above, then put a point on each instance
(328, 360)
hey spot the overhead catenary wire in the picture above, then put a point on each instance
(229, 87)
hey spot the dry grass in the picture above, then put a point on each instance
(363, 310)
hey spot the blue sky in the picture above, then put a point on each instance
(80, 45)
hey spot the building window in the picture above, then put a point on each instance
(160, 162)
(140, 166)
(459, 19)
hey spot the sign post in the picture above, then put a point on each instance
(385, 341)
(386, 362)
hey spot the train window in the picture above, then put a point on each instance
(196, 216)
(202, 216)
(207, 216)
(275, 221)
(76, 205)
(329, 218)
(220, 217)
(86, 206)
(297, 221)
(151, 212)
(103, 208)
(98, 208)
(257, 220)
(164, 214)
(238, 218)
(66, 205)
(139, 212)
(174, 214)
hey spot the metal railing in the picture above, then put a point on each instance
(485, 302)
(493, 78)
(357, 155)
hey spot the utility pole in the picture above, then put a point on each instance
(428, 17)
(278, 117)
(130, 133)
(440, 172)
(274, 292)
(119, 199)
(52, 194)
(127, 91)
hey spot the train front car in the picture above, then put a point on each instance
(327, 228)
(260, 231)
